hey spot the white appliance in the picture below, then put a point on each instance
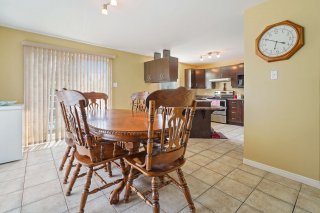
(219, 116)
(220, 99)
(11, 134)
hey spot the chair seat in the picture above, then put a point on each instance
(107, 152)
(157, 170)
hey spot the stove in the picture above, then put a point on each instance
(220, 99)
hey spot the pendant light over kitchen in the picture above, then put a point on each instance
(210, 54)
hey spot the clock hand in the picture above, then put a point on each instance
(281, 42)
(269, 40)
(275, 45)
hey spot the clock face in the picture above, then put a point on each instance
(278, 41)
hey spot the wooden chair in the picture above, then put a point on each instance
(167, 156)
(98, 101)
(138, 101)
(90, 152)
(68, 139)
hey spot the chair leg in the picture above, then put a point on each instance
(109, 169)
(155, 195)
(68, 170)
(86, 191)
(115, 195)
(186, 190)
(73, 179)
(64, 159)
(128, 186)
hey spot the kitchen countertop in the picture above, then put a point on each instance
(235, 99)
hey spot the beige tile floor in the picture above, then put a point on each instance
(232, 132)
(218, 182)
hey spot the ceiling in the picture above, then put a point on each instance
(189, 28)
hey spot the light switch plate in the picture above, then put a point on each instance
(115, 84)
(274, 75)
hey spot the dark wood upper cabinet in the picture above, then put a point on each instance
(195, 78)
(161, 70)
(199, 78)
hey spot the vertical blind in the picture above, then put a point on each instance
(47, 69)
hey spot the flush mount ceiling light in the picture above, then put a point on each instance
(209, 55)
(104, 9)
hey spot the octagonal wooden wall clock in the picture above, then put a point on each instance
(279, 41)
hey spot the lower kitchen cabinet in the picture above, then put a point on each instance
(235, 110)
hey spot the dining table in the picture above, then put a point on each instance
(128, 127)
(125, 126)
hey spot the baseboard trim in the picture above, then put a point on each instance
(293, 176)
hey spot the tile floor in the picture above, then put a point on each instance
(232, 132)
(217, 179)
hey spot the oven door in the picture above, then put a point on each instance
(221, 115)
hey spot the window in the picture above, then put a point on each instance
(48, 69)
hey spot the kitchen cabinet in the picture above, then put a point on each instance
(235, 111)
(195, 78)
(161, 70)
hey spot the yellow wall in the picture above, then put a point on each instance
(127, 67)
(282, 116)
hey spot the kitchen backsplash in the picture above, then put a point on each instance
(219, 86)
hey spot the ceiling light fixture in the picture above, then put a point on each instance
(104, 9)
(209, 55)
(113, 2)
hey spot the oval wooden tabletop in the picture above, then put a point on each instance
(121, 124)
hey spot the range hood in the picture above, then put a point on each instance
(160, 70)
(220, 80)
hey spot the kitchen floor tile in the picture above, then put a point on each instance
(218, 201)
(141, 207)
(310, 190)
(10, 201)
(100, 204)
(278, 191)
(308, 202)
(171, 199)
(229, 161)
(12, 174)
(41, 191)
(210, 154)
(11, 186)
(220, 168)
(252, 170)
(266, 203)
(199, 208)
(42, 177)
(74, 199)
(233, 188)
(220, 149)
(52, 204)
(207, 176)
(196, 186)
(244, 177)
(298, 210)
(195, 148)
(236, 155)
(200, 159)
(284, 181)
(18, 210)
(244, 208)
(190, 167)
(13, 165)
